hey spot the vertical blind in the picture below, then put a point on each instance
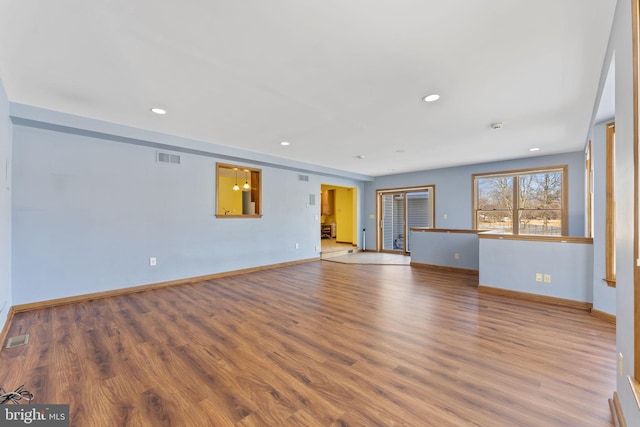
(419, 213)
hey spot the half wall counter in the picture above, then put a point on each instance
(445, 248)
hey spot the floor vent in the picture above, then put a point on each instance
(17, 341)
(350, 251)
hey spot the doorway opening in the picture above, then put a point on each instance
(338, 219)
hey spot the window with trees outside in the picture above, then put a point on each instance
(530, 201)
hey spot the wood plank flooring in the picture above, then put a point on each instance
(317, 344)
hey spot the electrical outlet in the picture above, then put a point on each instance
(456, 256)
(547, 278)
(317, 248)
(620, 364)
(297, 245)
(445, 216)
(153, 261)
(538, 277)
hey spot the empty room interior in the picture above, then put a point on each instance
(336, 213)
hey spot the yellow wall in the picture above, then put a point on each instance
(227, 198)
(344, 215)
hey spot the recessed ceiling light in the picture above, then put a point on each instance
(284, 143)
(159, 111)
(496, 126)
(534, 149)
(360, 156)
(431, 98)
(400, 151)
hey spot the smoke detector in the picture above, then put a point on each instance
(496, 126)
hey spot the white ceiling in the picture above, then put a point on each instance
(336, 78)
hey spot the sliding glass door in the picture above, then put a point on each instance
(398, 212)
(419, 213)
(393, 229)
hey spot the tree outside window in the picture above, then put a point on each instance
(521, 202)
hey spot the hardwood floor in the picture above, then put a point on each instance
(317, 344)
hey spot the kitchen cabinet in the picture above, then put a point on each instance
(327, 202)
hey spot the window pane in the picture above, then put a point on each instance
(537, 206)
(541, 221)
(541, 190)
(495, 220)
(495, 193)
(419, 212)
(393, 222)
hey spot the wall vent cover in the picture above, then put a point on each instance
(168, 158)
(17, 341)
(312, 199)
(304, 178)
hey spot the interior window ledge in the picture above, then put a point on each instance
(238, 216)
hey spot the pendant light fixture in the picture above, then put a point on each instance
(236, 187)
(246, 185)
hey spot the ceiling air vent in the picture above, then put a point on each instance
(304, 178)
(168, 158)
(17, 340)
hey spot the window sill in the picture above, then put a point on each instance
(239, 216)
(610, 282)
(528, 237)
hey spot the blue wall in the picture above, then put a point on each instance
(620, 43)
(454, 192)
(89, 212)
(513, 265)
(5, 207)
(439, 248)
